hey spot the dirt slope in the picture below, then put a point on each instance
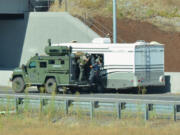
(131, 31)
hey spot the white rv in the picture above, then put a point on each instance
(126, 64)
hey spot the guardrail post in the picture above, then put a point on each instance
(92, 109)
(66, 107)
(146, 112)
(118, 110)
(175, 111)
(42, 103)
(17, 105)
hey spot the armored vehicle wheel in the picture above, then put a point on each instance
(18, 85)
(51, 86)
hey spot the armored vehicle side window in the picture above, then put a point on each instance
(51, 62)
(62, 62)
(43, 64)
(32, 64)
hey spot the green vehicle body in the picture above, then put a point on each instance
(39, 70)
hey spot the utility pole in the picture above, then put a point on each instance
(114, 21)
(66, 5)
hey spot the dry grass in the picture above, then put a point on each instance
(56, 7)
(126, 8)
(164, 14)
(81, 7)
(168, 3)
(23, 125)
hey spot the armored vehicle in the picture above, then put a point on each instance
(56, 71)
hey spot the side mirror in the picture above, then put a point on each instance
(24, 68)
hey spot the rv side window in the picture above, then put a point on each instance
(51, 61)
(43, 65)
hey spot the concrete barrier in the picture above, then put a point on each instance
(21, 38)
(173, 82)
(60, 27)
(4, 78)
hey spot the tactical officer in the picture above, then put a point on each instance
(82, 62)
(94, 73)
(92, 62)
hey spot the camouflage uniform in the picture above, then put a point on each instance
(94, 73)
(82, 62)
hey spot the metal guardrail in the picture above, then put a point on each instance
(93, 101)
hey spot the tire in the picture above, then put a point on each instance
(99, 89)
(18, 85)
(51, 86)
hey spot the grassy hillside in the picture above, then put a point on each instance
(163, 13)
(126, 8)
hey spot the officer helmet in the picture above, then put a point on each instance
(87, 55)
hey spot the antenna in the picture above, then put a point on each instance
(49, 42)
